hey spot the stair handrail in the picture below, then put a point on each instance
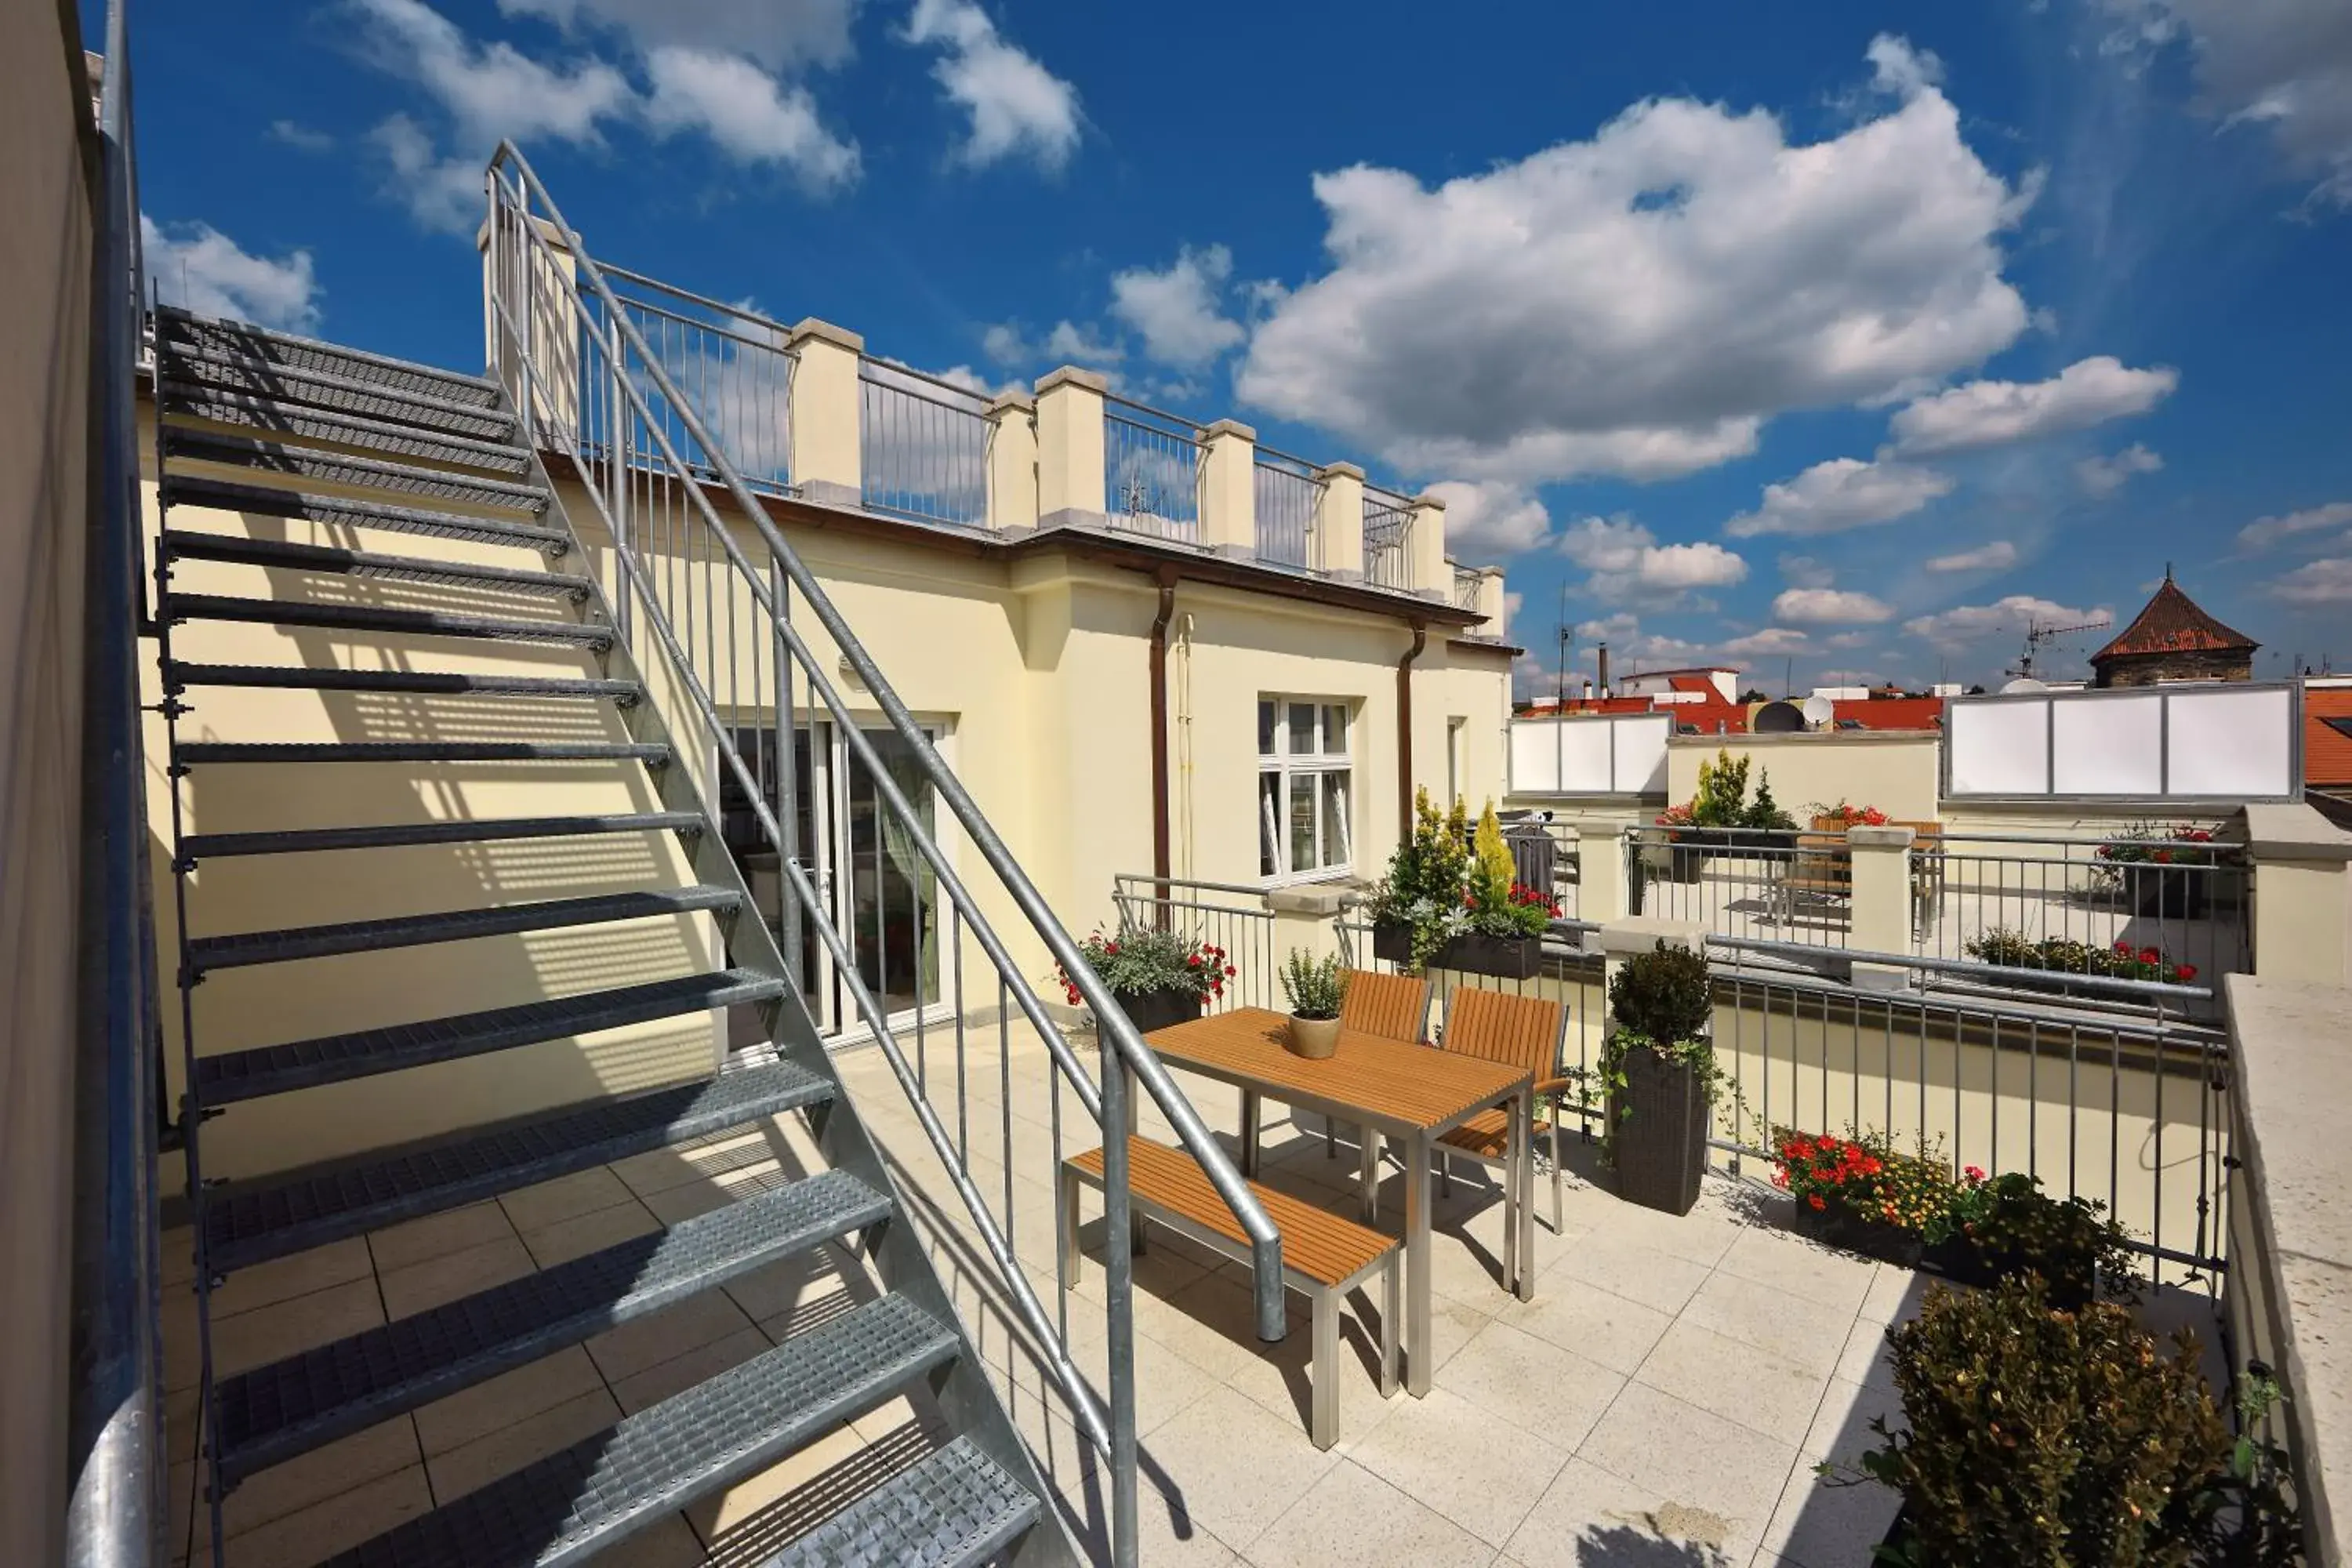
(115, 1514)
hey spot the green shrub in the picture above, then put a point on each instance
(2044, 1440)
(1722, 797)
(1316, 986)
(1664, 997)
(2014, 1228)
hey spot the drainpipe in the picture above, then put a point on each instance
(1160, 854)
(1404, 732)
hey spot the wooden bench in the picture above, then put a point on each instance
(1323, 1257)
(1821, 868)
(1926, 871)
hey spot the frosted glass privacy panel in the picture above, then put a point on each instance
(1535, 756)
(2107, 744)
(2231, 745)
(1641, 767)
(1584, 756)
(1999, 748)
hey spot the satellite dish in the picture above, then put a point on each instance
(2022, 685)
(1777, 719)
(1819, 711)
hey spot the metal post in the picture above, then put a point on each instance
(1119, 1293)
(787, 780)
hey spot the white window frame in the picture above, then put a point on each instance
(1311, 767)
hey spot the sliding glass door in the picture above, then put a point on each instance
(880, 892)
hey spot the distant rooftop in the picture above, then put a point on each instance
(2172, 622)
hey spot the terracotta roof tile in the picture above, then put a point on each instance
(2171, 623)
(2326, 748)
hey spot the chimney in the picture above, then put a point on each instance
(1604, 669)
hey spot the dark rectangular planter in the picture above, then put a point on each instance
(1507, 957)
(1963, 1262)
(1392, 943)
(2168, 892)
(1149, 1010)
(1657, 1125)
(1837, 1226)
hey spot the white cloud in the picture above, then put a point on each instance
(1899, 68)
(746, 113)
(2286, 65)
(1175, 309)
(2266, 531)
(1626, 562)
(196, 266)
(1070, 344)
(301, 137)
(1842, 493)
(2328, 581)
(1804, 571)
(490, 91)
(1771, 642)
(1017, 107)
(2102, 477)
(1994, 413)
(1998, 556)
(445, 193)
(1487, 519)
(1971, 624)
(781, 35)
(1639, 303)
(1830, 607)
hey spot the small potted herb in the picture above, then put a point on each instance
(1658, 1072)
(1417, 907)
(1315, 987)
(1159, 977)
(1507, 919)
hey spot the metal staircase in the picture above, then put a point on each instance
(335, 439)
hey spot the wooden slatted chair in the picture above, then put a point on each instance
(1521, 1032)
(1395, 1007)
(1324, 1256)
(1926, 872)
(1822, 869)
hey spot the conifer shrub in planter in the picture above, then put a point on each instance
(1507, 919)
(1659, 1077)
(1416, 907)
(1158, 977)
(2038, 1436)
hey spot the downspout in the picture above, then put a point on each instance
(1158, 676)
(1404, 732)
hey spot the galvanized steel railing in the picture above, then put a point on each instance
(1388, 539)
(115, 1467)
(1151, 471)
(732, 368)
(923, 446)
(715, 609)
(1467, 580)
(1226, 915)
(1289, 501)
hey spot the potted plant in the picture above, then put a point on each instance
(1417, 907)
(1507, 919)
(2164, 872)
(2004, 1227)
(1658, 1070)
(1858, 1194)
(1839, 817)
(1769, 828)
(2031, 1435)
(1679, 858)
(1315, 987)
(2059, 956)
(1158, 977)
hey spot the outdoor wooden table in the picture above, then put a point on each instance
(1410, 1092)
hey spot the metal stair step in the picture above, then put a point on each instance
(201, 846)
(243, 949)
(271, 500)
(572, 1504)
(186, 544)
(340, 468)
(176, 327)
(421, 682)
(194, 752)
(954, 1508)
(195, 400)
(214, 367)
(253, 1221)
(233, 1076)
(180, 608)
(289, 1407)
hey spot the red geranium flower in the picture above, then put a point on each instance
(2185, 973)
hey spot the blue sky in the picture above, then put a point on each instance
(1856, 336)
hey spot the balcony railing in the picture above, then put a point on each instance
(731, 367)
(1467, 581)
(923, 446)
(1388, 539)
(1151, 471)
(1289, 501)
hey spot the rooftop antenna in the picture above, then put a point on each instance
(2040, 634)
(1567, 642)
